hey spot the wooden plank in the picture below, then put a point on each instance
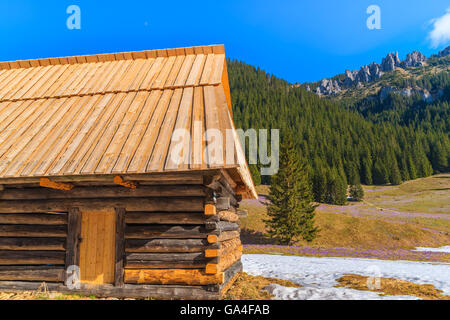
(94, 134)
(71, 126)
(31, 273)
(76, 141)
(33, 218)
(31, 257)
(165, 232)
(138, 131)
(97, 251)
(193, 204)
(174, 72)
(97, 153)
(159, 153)
(23, 151)
(207, 70)
(105, 192)
(127, 291)
(73, 245)
(184, 71)
(40, 244)
(176, 158)
(196, 70)
(120, 247)
(172, 276)
(122, 131)
(160, 80)
(20, 230)
(164, 218)
(166, 245)
(145, 148)
(197, 131)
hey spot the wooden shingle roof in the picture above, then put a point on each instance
(112, 113)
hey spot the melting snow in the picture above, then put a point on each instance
(445, 249)
(318, 275)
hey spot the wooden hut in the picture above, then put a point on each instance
(89, 190)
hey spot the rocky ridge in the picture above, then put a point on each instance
(374, 71)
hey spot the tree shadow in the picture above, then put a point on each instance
(254, 237)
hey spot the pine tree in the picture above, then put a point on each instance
(356, 192)
(256, 174)
(290, 211)
(395, 176)
(336, 189)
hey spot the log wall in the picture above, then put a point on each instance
(168, 235)
(32, 246)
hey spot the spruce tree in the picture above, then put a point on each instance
(290, 211)
(356, 192)
(336, 189)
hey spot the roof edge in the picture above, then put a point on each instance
(131, 55)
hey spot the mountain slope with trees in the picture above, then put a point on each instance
(343, 142)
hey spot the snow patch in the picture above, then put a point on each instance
(287, 293)
(318, 275)
(445, 249)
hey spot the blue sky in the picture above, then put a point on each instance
(297, 40)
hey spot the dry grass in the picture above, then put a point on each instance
(369, 228)
(346, 230)
(393, 287)
(247, 287)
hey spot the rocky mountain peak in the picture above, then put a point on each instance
(373, 71)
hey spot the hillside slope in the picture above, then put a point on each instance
(338, 139)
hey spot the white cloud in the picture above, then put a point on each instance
(440, 35)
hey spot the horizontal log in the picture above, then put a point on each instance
(225, 262)
(165, 217)
(157, 178)
(31, 257)
(224, 236)
(43, 244)
(168, 257)
(166, 265)
(224, 248)
(172, 260)
(105, 192)
(229, 216)
(188, 204)
(33, 218)
(22, 230)
(165, 231)
(32, 273)
(231, 275)
(166, 245)
(126, 291)
(172, 276)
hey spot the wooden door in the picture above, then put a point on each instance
(97, 248)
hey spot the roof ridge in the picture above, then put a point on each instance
(130, 55)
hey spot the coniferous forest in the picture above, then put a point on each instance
(346, 142)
